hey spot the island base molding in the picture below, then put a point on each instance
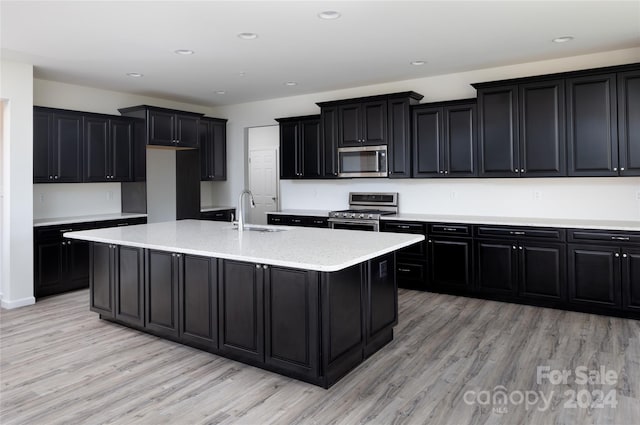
(308, 325)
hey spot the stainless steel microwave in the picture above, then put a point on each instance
(363, 161)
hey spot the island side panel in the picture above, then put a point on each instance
(381, 303)
(342, 321)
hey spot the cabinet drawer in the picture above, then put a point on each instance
(401, 227)
(411, 271)
(579, 235)
(521, 233)
(450, 229)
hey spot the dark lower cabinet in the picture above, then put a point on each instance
(198, 294)
(542, 271)
(497, 267)
(241, 310)
(129, 285)
(450, 265)
(594, 275)
(162, 273)
(631, 280)
(291, 320)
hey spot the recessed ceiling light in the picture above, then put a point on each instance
(184, 52)
(134, 74)
(329, 14)
(248, 35)
(562, 39)
(418, 63)
(220, 92)
(291, 83)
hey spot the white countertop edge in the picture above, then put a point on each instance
(249, 259)
(209, 209)
(619, 225)
(308, 213)
(41, 222)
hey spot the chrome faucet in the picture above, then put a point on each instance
(241, 219)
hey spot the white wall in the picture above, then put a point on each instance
(16, 88)
(561, 197)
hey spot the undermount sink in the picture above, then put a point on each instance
(262, 228)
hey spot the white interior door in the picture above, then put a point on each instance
(264, 175)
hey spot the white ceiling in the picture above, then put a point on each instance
(96, 43)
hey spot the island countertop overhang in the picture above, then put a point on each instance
(324, 250)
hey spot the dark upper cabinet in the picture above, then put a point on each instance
(542, 130)
(108, 149)
(301, 147)
(213, 149)
(592, 128)
(498, 151)
(399, 141)
(362, 123)
(444, 139)
(57, 146)
(329, 138)
(167, 127)
(629, 123)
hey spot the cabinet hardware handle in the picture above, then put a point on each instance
(617, 255)
(403, 270)
(624, 255)
(620, 238)
(66, 230)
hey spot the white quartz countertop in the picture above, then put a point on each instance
(324, 250)
(214, 208)
(310, 213)
(622, 225)
(83, 219)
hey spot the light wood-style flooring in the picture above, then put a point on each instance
(60, 364)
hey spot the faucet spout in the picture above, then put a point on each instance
(241, 218)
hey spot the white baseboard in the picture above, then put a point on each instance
(9, 304)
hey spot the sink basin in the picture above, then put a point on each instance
(262, 228)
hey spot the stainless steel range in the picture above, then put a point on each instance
(365, 210)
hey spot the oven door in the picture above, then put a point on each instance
(366, 225)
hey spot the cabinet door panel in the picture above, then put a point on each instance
(450, 264)
(161, 293)
(631, 279)
(129, 285)
(101, 279)
(42, 140)
(592, 128)
(199, 301)
(241, 310)
(543, 271)
(594, 275)
(498, 137)
(219, 162)
(121, 157)
(460, 140)
(96, 149)
(542, 134)
(187, 131)
(311, 148)
(68, 148)
(427, 139)
(329, 119)
(349, 119)
(291, 314)
(497, 267)
(629, 122)
(374, 123)
(289, 147)
(399, 143)
(161, 128)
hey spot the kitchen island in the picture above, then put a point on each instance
(307, 303)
